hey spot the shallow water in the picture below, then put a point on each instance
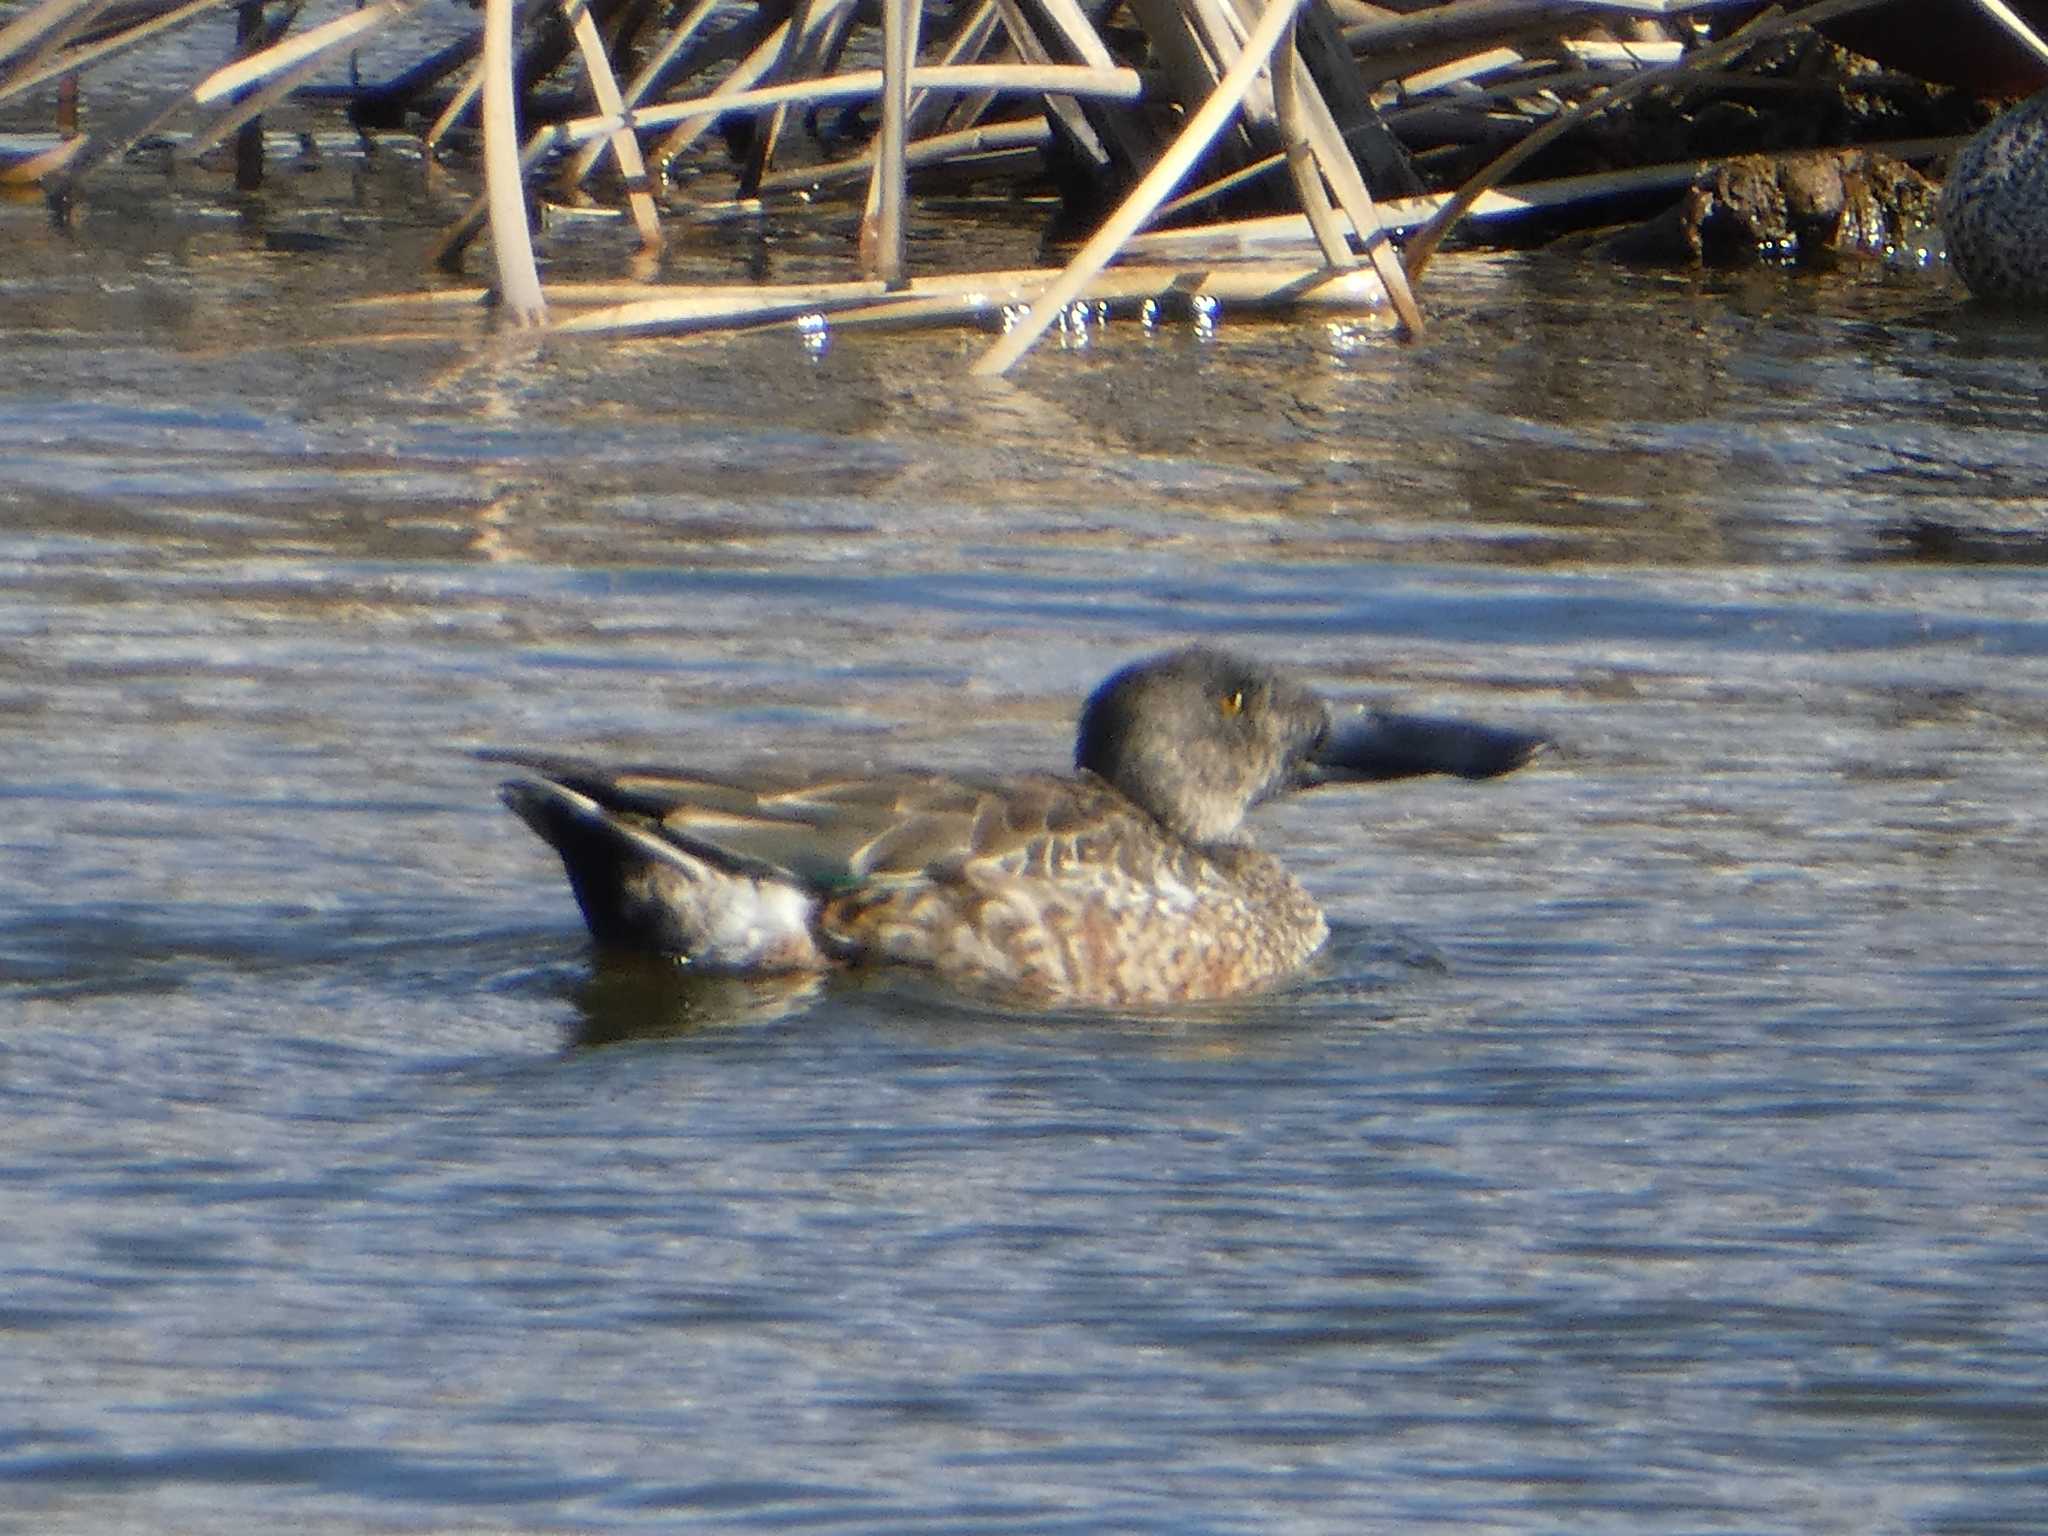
(1660, 1147)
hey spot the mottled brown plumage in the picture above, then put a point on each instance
(1129, 882)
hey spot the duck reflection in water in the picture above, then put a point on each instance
(1131, 882)
(641, 995)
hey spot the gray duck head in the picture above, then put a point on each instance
(1197, 737)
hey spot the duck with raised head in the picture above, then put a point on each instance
(1129, 882)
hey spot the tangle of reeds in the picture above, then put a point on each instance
(1249, 151)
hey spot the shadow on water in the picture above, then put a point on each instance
(1941, 541)
(630, 997)
(646, 997)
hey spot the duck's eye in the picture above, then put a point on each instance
(1231, 705)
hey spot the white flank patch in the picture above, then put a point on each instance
(752, 922)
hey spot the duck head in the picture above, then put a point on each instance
(1197, 737)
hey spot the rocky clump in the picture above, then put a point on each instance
(1809, 209)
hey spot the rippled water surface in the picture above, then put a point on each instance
(1659, 1149)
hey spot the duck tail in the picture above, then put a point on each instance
(641, 889)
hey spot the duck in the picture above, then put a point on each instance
(1131, 882)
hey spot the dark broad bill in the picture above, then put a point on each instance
(1377, 745)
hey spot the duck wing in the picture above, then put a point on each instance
(828, 834)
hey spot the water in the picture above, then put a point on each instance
(1660, 1147)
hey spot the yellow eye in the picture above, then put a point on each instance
(1231, 704)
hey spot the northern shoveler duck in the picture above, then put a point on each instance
(1131, 881)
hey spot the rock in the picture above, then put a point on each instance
(1813, 208)
(1994, 208)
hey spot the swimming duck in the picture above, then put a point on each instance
(1130, 882)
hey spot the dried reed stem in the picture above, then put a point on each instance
(969, 41)
(643, 309)
(48, 64)
(1068, 79)
(1020, 133)
(1334, 158)
(749, 69)
(504, 181)
(31, 169)
(604, 86)
(675, 42)
(1301, 163)
(304, 47)
(815, 31)
(459, 104)
(254, 104)
(2004, 15)
(881, 227)
(1146, 197)
(50, 27)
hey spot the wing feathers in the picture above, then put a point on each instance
(829, 834)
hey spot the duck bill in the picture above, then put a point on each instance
(1376, 746)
